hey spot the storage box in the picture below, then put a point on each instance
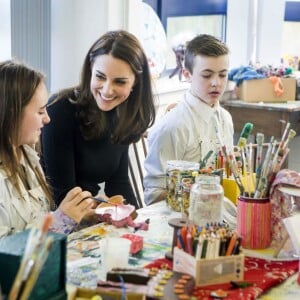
(51, 282)
(83, 293)
(210, 271)
(257, 90)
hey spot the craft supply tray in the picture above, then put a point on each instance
(210, 271)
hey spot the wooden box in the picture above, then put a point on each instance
(262, 90)
(87, 294)
(210, 271)
(51, 282)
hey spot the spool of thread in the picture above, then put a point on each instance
(176, 223)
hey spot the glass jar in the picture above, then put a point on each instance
(180, 177)
(206, 200)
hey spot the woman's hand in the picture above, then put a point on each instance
(76, 206)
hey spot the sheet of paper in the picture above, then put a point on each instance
(183, 262)
(292, 225)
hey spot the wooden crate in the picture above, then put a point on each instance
(210, 271)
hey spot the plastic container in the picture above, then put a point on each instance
(206, 200)
(180, 177)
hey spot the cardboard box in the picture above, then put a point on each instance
(222, 269)
(262, 90)
(51, 282)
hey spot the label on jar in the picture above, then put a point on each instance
(206, 208)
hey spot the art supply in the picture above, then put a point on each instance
(209, 271)
(247, 129)
(258, 161)
(208, 242)
(254, 222)
(206, 200)
(261, 185)
(203, 162)
(99, 199)
(36, 268)
(179, 178)
(34, 257)
(282, 141)
(176, 224)
(236, 174)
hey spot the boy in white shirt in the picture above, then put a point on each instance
(188, 131)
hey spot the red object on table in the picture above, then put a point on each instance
(137, 242)
(260, 275)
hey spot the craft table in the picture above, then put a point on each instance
(84, 266)
(267, 118)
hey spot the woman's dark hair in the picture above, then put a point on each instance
(132, 117)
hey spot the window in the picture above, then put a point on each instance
(183, 19)
(291, 29)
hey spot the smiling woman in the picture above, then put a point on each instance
(111, 82)
(94, 122)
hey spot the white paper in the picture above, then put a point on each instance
(292, 225)
(183, 262)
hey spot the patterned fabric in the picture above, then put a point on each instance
(281, 203)
(259, 276)
(62, 223)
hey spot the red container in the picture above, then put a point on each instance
(254, 222)
(137, 242)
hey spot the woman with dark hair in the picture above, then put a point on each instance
(24, 194)
(94, 122)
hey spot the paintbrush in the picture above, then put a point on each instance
(37, 266)
(34, 241)
(102, 200)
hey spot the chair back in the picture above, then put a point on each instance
(137, 155)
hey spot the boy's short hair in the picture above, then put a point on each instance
(203, 44)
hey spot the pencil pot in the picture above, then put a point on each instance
(254, 222)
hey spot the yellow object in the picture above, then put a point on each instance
(231, 190)
(96, 297)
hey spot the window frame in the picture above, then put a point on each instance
(175, 8)
(292, 11)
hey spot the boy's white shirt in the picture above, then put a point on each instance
(177, 136)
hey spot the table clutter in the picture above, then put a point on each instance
(167, 251)
(85, 276)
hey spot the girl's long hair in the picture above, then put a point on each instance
(18, 84)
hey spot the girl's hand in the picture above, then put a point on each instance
(76, 206)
